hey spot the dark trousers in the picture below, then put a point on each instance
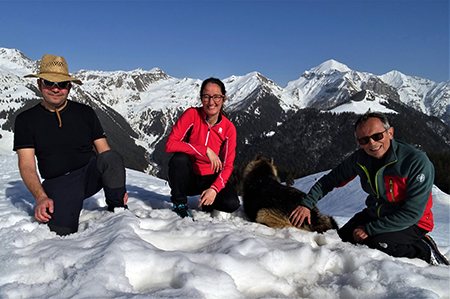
(68, 192)
(183, 182)
(403, 243)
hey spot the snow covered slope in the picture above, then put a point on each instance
(160, 255)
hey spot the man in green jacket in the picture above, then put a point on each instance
(398, 179)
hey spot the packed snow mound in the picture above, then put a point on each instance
(148, 251)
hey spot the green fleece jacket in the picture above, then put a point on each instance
(400, 195)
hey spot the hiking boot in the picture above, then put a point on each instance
(181, 210)
(436, 258)
(207, 209)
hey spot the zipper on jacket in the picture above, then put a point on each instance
(379, 210)
(368, 178)
(391, 189)
(375, 178)
(209, 129)
(207, 135)
(376, 184)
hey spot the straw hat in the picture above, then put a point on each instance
(54, 69)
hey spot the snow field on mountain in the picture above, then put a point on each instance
(159, 255)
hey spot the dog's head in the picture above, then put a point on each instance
(261, 167)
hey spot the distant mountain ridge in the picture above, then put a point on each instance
(310, 118)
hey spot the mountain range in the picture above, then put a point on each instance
(306, 126)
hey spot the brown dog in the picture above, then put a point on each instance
(268, 201)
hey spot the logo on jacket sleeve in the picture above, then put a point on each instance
(420, 178)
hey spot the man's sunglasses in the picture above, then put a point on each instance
(62, 85)
(375, 137)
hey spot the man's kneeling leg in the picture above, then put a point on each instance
(404, 243)
(67, 193)
(111, 166)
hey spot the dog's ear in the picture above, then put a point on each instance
(258, 156)
(271, 160)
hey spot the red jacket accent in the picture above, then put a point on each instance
(221, 138)
(396, 189)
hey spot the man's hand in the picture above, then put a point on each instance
(216, 164)
(28, 171)
(359, 234)
(207, 197)
(299, 215)
(44, 206)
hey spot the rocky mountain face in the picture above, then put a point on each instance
(307, 125)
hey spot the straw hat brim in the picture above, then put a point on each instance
(54, 77)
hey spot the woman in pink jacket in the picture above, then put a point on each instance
(203, 141)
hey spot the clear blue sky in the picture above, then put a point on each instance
(199, 39)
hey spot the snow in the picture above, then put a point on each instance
(6, 143)
(330, 66)
(159, 255)
(361, 107)
(14, 62)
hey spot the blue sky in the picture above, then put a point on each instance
(200, 39)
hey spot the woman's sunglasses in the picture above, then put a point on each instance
(62, 85)
(375, 137)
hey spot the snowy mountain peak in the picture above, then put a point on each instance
(329, 67)
(394, 78)
(250, 82)
(151, 101)
(253, 76)
(240, 88)
(137, 79)
(14, 61)
(12, 55)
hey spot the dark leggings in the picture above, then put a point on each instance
(403, 243)
(183, 182)
(68, 191)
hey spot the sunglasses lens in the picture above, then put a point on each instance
(63, 84)
(375, 137)
(47, 83)
(364, 140)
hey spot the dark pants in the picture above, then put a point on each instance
(68, 192)
(403, 243)
(183, 182)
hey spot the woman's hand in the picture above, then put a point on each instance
(207, 197)
(216, 164)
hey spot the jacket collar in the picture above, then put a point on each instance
(205, 117)
(391, 154)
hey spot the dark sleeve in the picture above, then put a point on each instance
(22, 134)
(97, 129)
(338, 177)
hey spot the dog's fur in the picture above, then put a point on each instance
(268, 201)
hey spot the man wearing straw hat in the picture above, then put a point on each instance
(73, 156)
